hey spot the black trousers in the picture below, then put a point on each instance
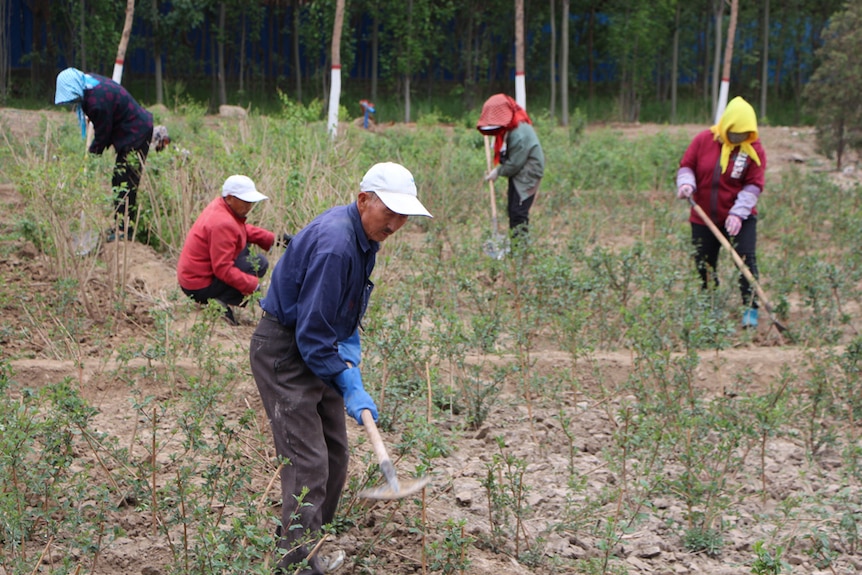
(308, 425)
(519, 211)
(707, 246)
(125, 180)
(223, 292)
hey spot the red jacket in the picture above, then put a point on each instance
(213, 244)
(716, 192)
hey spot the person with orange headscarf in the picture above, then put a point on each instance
(518, 156)
(723, 172)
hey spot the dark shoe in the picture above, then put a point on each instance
(228, 315)
(228, 312)
(111, 235)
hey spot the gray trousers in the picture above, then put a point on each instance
(308, 426)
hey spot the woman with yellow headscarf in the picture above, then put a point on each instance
(723, 172)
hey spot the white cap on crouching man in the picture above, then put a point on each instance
(394, 185)
(241, 187)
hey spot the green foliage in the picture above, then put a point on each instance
(701, 540)
(767, 563)
(832, 94)
(451, 341)
(40, 435)
(296, 113)
(449, 554)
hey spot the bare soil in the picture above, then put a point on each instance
(457, 492)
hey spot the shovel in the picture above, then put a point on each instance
(737, 259)
(495, 247)
(85, 240)
(393, 489)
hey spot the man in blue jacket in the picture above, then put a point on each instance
(305, 352)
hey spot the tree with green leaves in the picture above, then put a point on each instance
(638, 35)
(832, 94)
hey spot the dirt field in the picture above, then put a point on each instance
(457, 491)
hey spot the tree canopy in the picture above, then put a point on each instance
(636, 55)
(832, 95)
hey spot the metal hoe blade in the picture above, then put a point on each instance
(387, 492)
(84, 241)
(392, 489)
(496, 247)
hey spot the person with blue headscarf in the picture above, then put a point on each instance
(119, 121)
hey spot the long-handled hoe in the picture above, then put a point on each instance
(495, 247)
(737, 259)
(392, 489)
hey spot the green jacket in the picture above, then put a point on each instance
(524, 160)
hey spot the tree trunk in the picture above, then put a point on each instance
(335, 87)
(564, 63)
(375, 47)
(273, 47)
(590, 60)
(716, 63)
(5, 51)
(764, 73)
(117, 76)
(728, 58)
(242, 52)
(839, 144)
(83, 19)
(297, 64)
(553, 65)
(222, 87)
(520, 83)
(157, 56)
(407, 67)
(469, 61)
(674, 66)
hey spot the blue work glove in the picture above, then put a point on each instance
(356, 399)
(350, 350)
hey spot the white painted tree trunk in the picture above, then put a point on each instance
(334, 97)
(117, 76)
(520, 83)
(728, 56)
(335, 76)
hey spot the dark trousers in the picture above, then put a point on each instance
(519, 211)
(225, 293)
(706, 248)
(125, 180)
(308, 425)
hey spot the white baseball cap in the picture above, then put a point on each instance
(394, 185)
(243, 188)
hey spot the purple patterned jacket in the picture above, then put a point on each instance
(117, 118)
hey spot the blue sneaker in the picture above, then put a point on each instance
(749, 318)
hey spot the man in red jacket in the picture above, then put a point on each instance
(215, 262)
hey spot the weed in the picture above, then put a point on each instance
(448, 554)
(699, 539)
(767, 563)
